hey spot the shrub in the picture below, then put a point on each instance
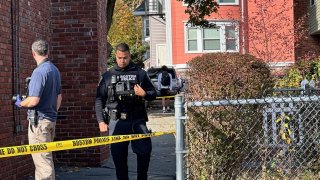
(227, 76)
(216, 134)
(296, 73)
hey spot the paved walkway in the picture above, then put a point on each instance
(162, 164)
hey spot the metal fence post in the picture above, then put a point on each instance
(179, 113)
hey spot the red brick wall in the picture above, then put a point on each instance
(102, 36)
(102, 46)
(308, 44)
(77, 45)
(16, 63)
(76, 33)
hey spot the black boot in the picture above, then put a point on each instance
(143, 166)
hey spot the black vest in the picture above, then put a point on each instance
(121, 93)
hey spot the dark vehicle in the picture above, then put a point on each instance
(153, 73)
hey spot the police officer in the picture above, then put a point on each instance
(120, 109)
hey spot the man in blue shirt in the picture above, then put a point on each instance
(43, 102)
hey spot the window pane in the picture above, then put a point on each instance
(211, 44)
(192, 45)
(163, 2)
(152, 5)
(147, 31)
(231, 44)
(227, 1)
(312, 2)
(192, 33)
(211, 34)
(230, 32)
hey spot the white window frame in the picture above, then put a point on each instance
(156, 6)
(145, 27)
(236, 2)
(223, 39)
(184, 4)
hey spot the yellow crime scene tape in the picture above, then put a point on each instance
(160, 97)
(73, 144)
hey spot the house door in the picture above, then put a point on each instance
(161, 54)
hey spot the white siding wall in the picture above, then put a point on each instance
(157, 36)
(315, 18)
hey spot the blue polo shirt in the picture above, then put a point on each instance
(45, 83)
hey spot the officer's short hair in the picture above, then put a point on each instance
(40, 46)
(123, 47)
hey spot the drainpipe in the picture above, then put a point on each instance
(15, 26)
(242, 28)
(168, 32)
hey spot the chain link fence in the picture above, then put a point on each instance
(269, 138)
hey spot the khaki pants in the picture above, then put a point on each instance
(44, 132)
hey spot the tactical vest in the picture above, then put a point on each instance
(121, 94)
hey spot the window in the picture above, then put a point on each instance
(228, 2)
(156, 6)
(221, 2)
(211, 39)
(312, 2)
(192, 39)
(146, 27)
(152, 5)
(224, 37)
(231, 40)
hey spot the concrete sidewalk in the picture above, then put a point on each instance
(162, 164)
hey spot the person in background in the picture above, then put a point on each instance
(165, 86)
(43, 102)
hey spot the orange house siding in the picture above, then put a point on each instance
(275, 43)
(179, 18)
(228, 14)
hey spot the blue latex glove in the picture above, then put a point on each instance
(18, 101)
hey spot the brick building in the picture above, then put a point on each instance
(310, 44)
(76, 31)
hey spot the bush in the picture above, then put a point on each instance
(296, 73)
(217, 133)
(227, 76)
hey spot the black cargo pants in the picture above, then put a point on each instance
(141, 147)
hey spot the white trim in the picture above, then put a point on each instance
(147, 39)
(272, 64)
(184, 4)
(181, 66)
(236, 2)
(280, 64)
(221, 4)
